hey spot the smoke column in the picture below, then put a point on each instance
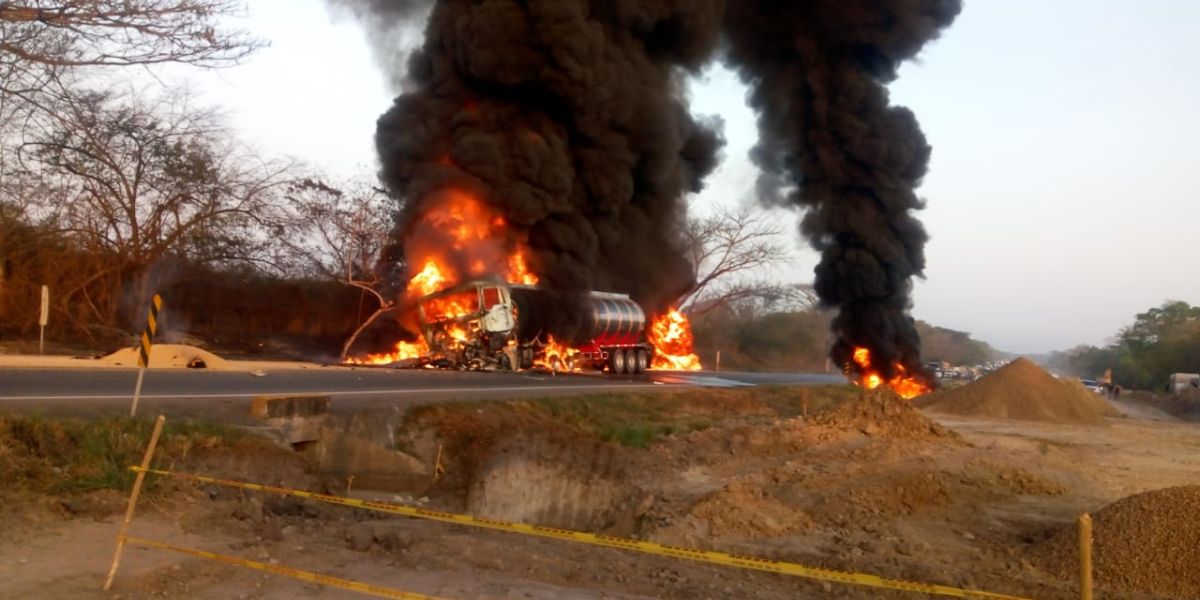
(566, 117)
(830, 142)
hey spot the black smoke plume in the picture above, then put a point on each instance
(830, 142)
(566, 117)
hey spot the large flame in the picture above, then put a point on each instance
(452, 306)
(402, 351)
(464, 239)
(868, 377)
(671, 336)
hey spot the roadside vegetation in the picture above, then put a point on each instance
(46, 455)
(1143, 355)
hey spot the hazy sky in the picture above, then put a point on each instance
(1063, 186)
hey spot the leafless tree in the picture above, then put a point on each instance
(137, 180)
(729, 250)
(340, 234)
(77, 33)
(46, 45)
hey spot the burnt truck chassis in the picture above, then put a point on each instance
(496, 326)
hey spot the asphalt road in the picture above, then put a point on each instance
(198, 392)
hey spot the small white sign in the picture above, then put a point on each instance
(45, 316)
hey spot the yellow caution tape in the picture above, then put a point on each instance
(596, 539)
(345, 584)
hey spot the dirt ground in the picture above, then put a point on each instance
(866, 486)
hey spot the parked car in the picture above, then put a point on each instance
(1092, 386)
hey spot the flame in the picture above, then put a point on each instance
(463, 238)
(556, 356)
(452, 306)
(518, 270)
(460, 238)
(429, 280)
(905, 386)
(671, 336)
(403, 351)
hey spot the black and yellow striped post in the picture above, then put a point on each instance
(144, 345)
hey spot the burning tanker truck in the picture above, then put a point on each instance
(489, 325)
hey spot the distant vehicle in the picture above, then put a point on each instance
(935, 368)
(1092, 386)
(1183, 381)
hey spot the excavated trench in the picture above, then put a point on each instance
(525, 474)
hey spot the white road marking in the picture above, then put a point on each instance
(549, 388)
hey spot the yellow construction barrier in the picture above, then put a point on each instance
(345, 584)
(706, 556)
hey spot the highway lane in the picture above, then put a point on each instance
(200, 392)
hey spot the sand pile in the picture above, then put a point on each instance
(167, 356)
(884, 414)
(1147, 543)
(1022, 390)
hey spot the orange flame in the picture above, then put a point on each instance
(518, 270)
(671, 336)
(556, 356)
(403, 351)
(461, 230)
(462, 238)
(905, 386)
(453, 306)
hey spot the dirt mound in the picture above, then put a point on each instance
(741, 510)
(168, 356)
(1021, 390)
(1147, 543)
(880, 413)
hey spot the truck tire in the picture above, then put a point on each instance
(618, 362)
(641, 360)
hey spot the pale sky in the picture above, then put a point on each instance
(1063, 186)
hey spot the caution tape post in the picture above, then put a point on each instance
(133, 498)
(144, 345)
(596, 539)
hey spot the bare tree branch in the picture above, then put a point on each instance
(141, 179)
(339, 233)
(727, 248)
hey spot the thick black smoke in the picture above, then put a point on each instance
(566, 117)
(829, 141)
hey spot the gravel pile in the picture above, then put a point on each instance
(1146, 543)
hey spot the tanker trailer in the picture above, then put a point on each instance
(486, 325)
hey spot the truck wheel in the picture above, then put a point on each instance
(618, 362)
(640, 361)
